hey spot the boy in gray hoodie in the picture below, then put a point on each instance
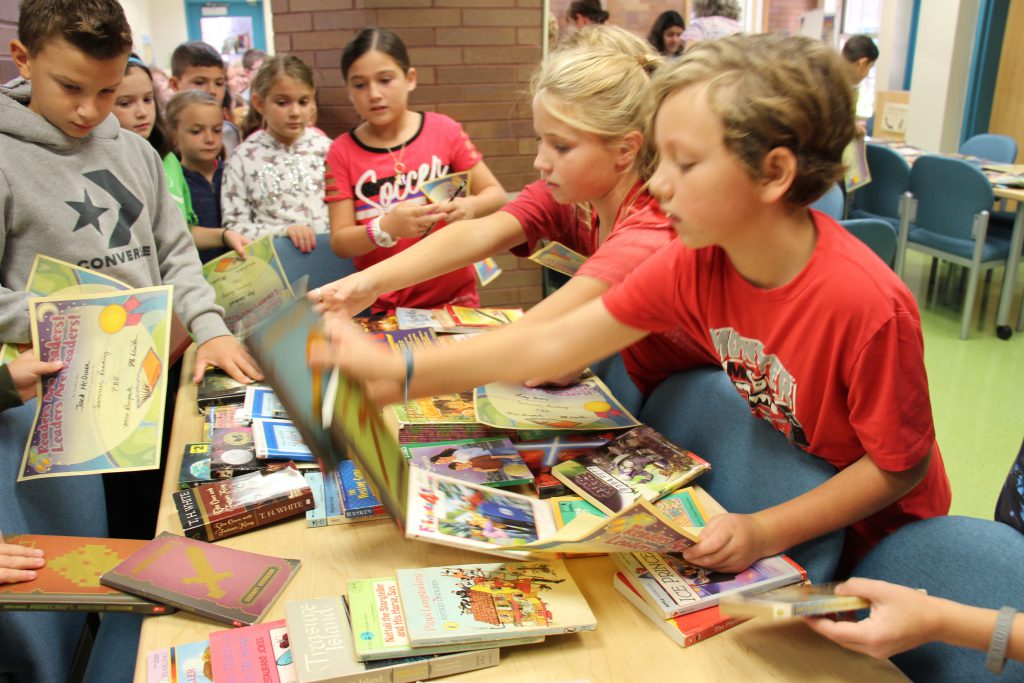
(75, 186)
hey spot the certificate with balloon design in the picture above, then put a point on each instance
(249, 289)
(104, 411)
(587, 405)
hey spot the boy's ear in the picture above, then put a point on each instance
(20, 55)
(778, 171)
(410, 76)
(173, 82)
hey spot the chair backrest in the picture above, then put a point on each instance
(832, 203)
(321, 264)
(999, 148)
(890, 178)
(949, 193)
(878, 234)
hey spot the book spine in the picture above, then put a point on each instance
(713, 630)
(316, 516)
(257, 516)
(136, 608)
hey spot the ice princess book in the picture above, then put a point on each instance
(231, 586)
(494, 462)
(640, 463)
(672, 586)
(260, 653)
(474, 602)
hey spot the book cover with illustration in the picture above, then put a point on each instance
(232, 452)
(70, 579)
(465, 316)
(262, 402)
(413, 318)
(474, 602)
(558, 257)
(378, 625)
(685, 629)
(433, 410)
(248, 289)
(261, 652)
(227, 585)
(186, 662)
(585, 406)
(279, 440)
(640, 463)
(324, 651)
(376, 323)
(226, 508)
(358, 499)
(540, 455)
(804, 600)
(195, 465)
(399, 340)
(494, 462)
(671, 586)
(317, 515)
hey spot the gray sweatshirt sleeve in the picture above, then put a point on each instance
(180, 266)
(14, 325)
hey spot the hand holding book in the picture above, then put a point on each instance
(730, 542)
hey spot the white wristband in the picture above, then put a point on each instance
(995, 659)
(379, 235)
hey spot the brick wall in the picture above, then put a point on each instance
(8, 32)
(473, 61)
(783, 16)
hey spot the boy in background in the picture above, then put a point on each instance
(195, 65)
(74, 186)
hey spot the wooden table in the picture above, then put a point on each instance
(625, 647)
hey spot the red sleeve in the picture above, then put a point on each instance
(650, 297)
(890, 410)
(633, 241)
(337, 183)
(541, 217)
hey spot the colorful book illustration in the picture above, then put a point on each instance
(855, 162)
(588, 405)
(104, 410)
(262, 403)
(542, 454)
(279, 440)
(231, 586)
(792, 601)
(70, 580)
(324, 652)
(672, 586)
(398, 340)
(640, 463)
(358, 498)
(481, 602)
(261, 652)
(249, 289)
(187, 662)
(494, 462)
(232, 452)
(447, 187)
(566, 508)
(499, 522)
(219, 388)
(226, 508)
(195, 465)
(377, 323)
(465, 316)
(558, 257)
(685, 629)
(378, 624)
(442, 409)
(487, 271)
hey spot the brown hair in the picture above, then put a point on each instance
(96, 27)
(194, 53)
(272, 69)
(773, 91)
(182, 101)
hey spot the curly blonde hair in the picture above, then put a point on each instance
(773, 91)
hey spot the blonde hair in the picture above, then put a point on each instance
(182, 101)
(270, 71)
(773, 91)
(597, 83)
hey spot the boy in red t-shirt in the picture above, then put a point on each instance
(817, 333)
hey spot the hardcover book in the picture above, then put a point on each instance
(640, 463)
(494, 462)
(187, 662)
(685, 629)
(231, 586)
(279, 440)
(322, 644)
(195, 465)
(261, 652)
(70, 580)
(470, 603)
(378, 625)
(672, 586)
(792, 601)
(233, 506)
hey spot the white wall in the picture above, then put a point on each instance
(938, 92)
(893, 40)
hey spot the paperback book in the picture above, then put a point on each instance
(231, 586)
(261, 652)
(399, 340)
(261, 402)
(317, 515)
(195, 465)
(558, 257)
(464, 316)
(491, 602)
(324, 652)
(218, 388)
(640, 463)
(434, 410)
(672, 586)
(494, 462)
(358, 499)
(685, 629)
(226, 508)
(186, 662)
(792, 601)
(586, 406)
(70, 579)
(232, 452)
(279, 440)
(540, 455)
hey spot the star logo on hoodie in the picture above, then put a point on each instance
(88, 213)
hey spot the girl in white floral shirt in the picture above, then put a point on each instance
(274, 182)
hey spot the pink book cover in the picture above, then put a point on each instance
(261, 652)
(232, 586)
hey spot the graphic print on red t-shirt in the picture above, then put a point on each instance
(762, 379)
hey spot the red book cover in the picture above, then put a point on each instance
(261, 652)
(70, 580)
(227, 585)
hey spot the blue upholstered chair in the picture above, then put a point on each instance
(999, 148)
(952, 226)
(878, 234)
(753, 465)
(890, 178)
(973, 561)
(832, 203)
(321, 264)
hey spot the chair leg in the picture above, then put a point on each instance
(984, 298)
(950, 279)
(932, 275)
(972, 290)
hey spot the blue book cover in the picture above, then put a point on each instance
(358, 498)
(316, 516)
(262, 403)
(492, 462)
(279, 440)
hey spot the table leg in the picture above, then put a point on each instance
(1003, 329)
